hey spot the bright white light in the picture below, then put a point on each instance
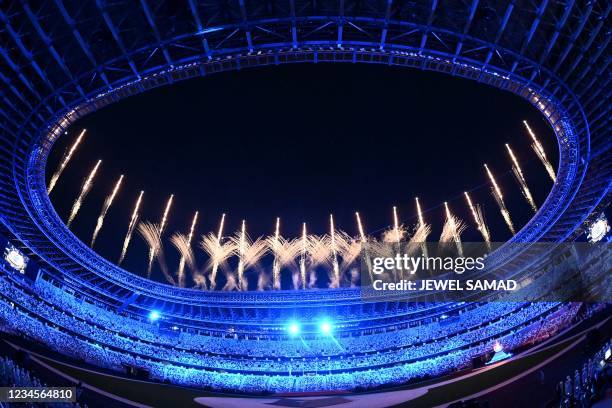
(598, 229)
(497, 347)
(154, 315)
(16, 259)
(325, 328)
(293, 328)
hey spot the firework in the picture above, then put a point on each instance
(162, 226)
(362, 235)
(303, 256)
(396, 226)
(131, 226)
(335, 281)
(248, 254)
(107, 203)
(319, 249)
(499, 198)
(183, 244)
(348, 248)
(87, 184)
(422, 231)
(539, 150)
(479, 219)
(419, 212)
(217, 252)
(151, 233)
(453, 227)
(518, 173)
(275, 246)
(364, 243)
(64, 162)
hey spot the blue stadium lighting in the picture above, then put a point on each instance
(325, 328)
(154, 315)
(294, 329)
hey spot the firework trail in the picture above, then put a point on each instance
(183, 245)
(217, 252)
(131, 226)
(319, 253)
(241, 246)
(303, 254)
(348, 248)
(87, 184)
(275, 247)
(249, 253)
(364, 243)
(396, 226)
(335, 281)
(319, 250)
(479, 219)
(499, 198)
(64, 162)
(107, 203)
(362, 234)
(539, 149)
(518, 173)
(396, 233)
(452, 230)
(151, 233)
(423, 230)
(162, 226)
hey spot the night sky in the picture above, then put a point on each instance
(301, 142)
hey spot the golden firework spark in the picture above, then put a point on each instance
(422, 231)
(539, 150)
(335, 282)
(360, 228)
(396, 226)
(87, 184)
(499, 198)
(479, 219)
(275, 246)
(303, 256)
(64, 162)
(162, 226)
(217, 252)
(183, 245)
(419, 211)
(452, 230)
(151, 233)
(107, 204)
(131, 226)
(518, 173)
(241, 249)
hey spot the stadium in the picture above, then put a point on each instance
(77, 319)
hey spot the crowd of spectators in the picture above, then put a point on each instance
(100, 337)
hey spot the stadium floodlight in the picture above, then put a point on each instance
(325, 328)
(294, 328)
(154, 315)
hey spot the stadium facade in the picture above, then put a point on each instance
(64, 59)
